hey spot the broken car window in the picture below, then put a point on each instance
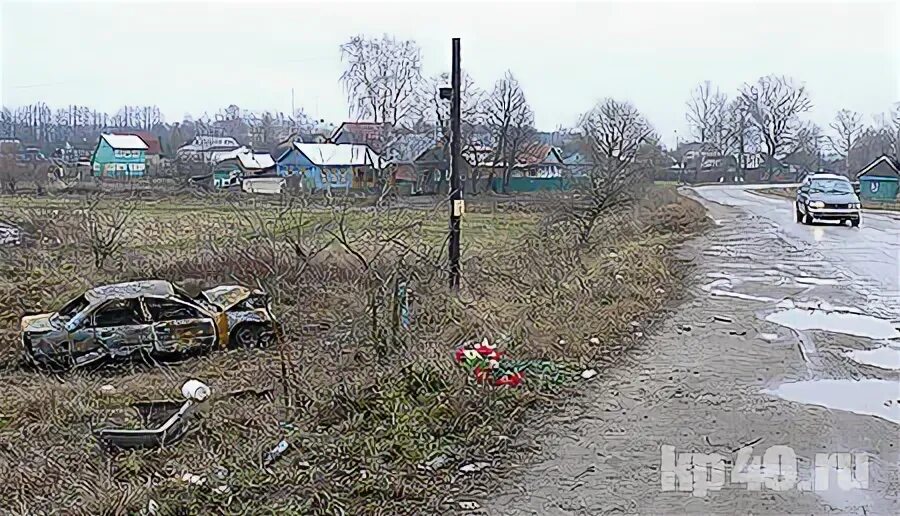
(165, 310)
(120, 312)
(73, 307)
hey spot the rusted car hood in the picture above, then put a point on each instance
(226, 296)
(37, 323)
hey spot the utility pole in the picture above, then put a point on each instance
(456, 197)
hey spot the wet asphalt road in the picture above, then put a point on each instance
(790, 338)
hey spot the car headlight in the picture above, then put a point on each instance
(816, 204)
(855, 206)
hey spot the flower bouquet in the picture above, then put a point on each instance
(488, 365)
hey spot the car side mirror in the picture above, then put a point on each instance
(856, 187)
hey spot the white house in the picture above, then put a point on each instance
(210, 149)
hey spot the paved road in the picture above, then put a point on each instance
(791, 339)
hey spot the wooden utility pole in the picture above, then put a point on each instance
(456, 197)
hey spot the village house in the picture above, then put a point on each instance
(417, 163)
(119, 155)
(243, 164)
(880, 180)
(209, 149)
(154, 148)
(375, 135)
(329, 166)
(539, 167)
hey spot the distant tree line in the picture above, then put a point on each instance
(767, 115)
(38, 125)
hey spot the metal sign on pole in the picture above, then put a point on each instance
(456, 197)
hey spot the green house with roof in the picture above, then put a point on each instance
(879, 180)
(119, 155)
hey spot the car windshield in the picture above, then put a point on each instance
(831, 186)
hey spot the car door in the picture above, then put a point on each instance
(179, 326)
(121, 326)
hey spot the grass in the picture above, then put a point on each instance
(378, 417)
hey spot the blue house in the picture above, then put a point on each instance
(329, 166)
(879, 180)
(119, 155)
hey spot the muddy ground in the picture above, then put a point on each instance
(717, 375)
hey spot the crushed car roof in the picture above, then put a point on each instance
(130, 290)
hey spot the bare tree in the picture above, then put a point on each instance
(895, 121)
(382, 78)
(740, 133)
(105, 227)
(848, 127)
(706, 118)
(510, 119)
(622, 146)
(774, 104)
(805, 148)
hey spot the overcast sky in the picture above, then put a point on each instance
(196, 58)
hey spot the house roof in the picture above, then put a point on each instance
(124, 141)
(884, 166)
(410, 147)
(538, 154)
(153, 146)
(337, 155)
(256, 160)
(211, 143)
(363, 133)
(360, 128)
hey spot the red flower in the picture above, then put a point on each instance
(460, 353)
(512, 380)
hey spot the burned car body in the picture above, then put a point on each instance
(154, 316)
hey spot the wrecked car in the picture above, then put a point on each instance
(153, 316)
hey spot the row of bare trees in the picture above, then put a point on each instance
(39, 125)
(384, 83)
(766, 115)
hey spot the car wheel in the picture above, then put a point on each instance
(798, 217)
(248, 336)
(807, 219)
(854, 223)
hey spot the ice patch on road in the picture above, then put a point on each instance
(819, 305)
(887, 357)
(879, 398)
(836, 322)
(738, 295)
(815, 281)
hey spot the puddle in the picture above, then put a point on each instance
(836, 322)
(738, 295)
(879, 398)
(887, 357)
(819, 305)
(717, 283)
(815, 281)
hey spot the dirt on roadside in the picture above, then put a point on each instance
(696, 384)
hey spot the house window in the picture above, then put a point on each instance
(119, 153)
(96, 167)
(137, 167)
(121, 166)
